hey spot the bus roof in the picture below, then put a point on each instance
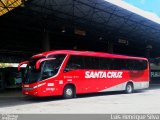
(86, 53)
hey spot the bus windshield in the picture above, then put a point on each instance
(47, 69)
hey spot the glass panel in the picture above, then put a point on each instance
(51, 67)
(47, 69)
(91, 62)
(32, 75)
(74, 62)
(155, 63)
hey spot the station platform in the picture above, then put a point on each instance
(17, 92)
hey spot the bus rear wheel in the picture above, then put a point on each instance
(68, 92)
(129, 88)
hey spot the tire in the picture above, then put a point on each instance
(129, 88)
(68, 92)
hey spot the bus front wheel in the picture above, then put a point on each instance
(129, 88)
(68, 92)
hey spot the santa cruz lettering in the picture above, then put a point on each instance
(101, 74)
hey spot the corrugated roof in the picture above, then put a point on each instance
(8, 5)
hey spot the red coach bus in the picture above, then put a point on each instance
(67, 73)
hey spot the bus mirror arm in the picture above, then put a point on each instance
(66, 70)
(22, 63)
(41, 60)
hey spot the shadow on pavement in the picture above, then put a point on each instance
(15, 97)
(154, 86)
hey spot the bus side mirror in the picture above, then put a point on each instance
(41, 60)
(22, 63)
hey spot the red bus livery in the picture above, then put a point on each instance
(67, 73)
(102, 74)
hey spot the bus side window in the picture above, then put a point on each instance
(141, 64)
(130, 64)
(123, 64)
(118, 64)
(137, 64)
(49, 69)
(74, 63)
(105, 63)
(91, 62)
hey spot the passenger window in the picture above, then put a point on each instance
(51, 67)
(74, 63)
(91, 62)
(105, 63)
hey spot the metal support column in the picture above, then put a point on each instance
(46, 41)
(110, 46)
(2, 84)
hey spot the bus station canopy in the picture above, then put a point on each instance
(92, 17)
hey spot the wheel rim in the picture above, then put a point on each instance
(69, 92)
(129, 88)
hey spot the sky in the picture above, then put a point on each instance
(147, 5)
